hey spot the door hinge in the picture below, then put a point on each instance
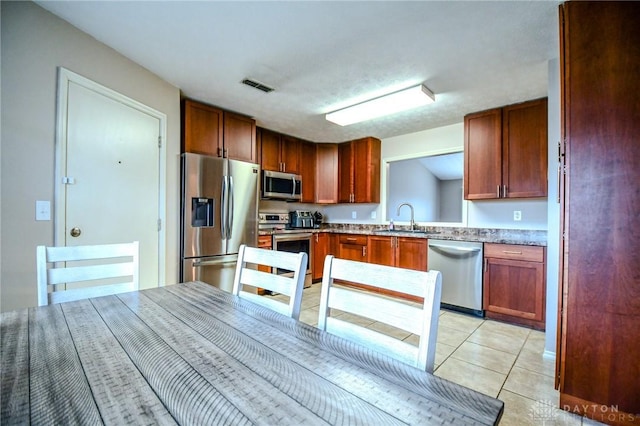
(159, 141)
(159, 225)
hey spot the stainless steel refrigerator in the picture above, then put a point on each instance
(219, 213)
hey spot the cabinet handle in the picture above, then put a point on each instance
(486, 264)
(225, 153)
(219, 152)
(504, 191)
(559, 176)
(498, 190)
(511, 252)
(364, 251)
(352, 239)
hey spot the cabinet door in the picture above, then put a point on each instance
(366, 170)
(380, 250)
(524, 149)
(353, 247)
(600, 293)
(411, 253)
(321, 249)
(290, 154)
(483, 155)
(202, 129)
(240, 137)
(516, 289)
(308, 171)
(345, 172)
(269, 150)
(326, 181)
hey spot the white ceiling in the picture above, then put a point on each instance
(323, 55)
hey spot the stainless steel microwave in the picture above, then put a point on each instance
(281, 186)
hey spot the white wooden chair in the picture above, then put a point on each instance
(419, 320)
(289, 285)
(117, 265)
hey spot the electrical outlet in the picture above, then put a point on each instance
(373, 214)
(517, 215)
(43, 210)
(354, 215)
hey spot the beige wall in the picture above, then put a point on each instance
(34, 44)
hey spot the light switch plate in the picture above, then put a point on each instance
(43, 210)
(354, 215)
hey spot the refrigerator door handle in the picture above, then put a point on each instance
(230, 208)
(223, 209)
(225, 260)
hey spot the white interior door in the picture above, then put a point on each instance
(111, 166)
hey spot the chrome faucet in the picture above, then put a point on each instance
(413, 223)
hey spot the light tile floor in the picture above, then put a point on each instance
(497, 359)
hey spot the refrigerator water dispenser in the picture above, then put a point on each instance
(201, 212)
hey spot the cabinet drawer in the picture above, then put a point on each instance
(354, 239)
(264, 241)
(515, 252)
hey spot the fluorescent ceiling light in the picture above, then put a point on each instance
(385, 105)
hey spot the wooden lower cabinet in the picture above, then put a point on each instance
(264, 241)
(402, 252)
(321, 248)
(514, 284)
(352, 247)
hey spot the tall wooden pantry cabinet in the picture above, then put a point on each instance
(598, 359)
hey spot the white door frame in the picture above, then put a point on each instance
(64, 78)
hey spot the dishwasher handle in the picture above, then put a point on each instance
(453, 250)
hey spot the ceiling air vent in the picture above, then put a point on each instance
(257, 85)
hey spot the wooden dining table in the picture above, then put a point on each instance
(192, 354)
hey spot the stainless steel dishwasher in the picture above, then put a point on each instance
(460, 263)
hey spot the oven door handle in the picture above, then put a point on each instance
(292, 237)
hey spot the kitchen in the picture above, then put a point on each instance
(20, 90)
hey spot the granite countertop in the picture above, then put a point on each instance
(483, 235)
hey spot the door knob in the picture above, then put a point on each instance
(75, 232)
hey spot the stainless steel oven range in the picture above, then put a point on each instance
(284, 239)
(295, 242)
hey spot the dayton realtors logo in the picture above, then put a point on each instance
(546, 413)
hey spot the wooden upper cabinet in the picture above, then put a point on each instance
(290, 154)
(269, 150)
(359, 171)
(524, 149)
(326, 180)
(345, 172)
(308, 171)
(506, 152)
(202, 128)
(279, 153)
(240, 137)
(211, 131)
(483, 154)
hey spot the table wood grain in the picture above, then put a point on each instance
(192, 354)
